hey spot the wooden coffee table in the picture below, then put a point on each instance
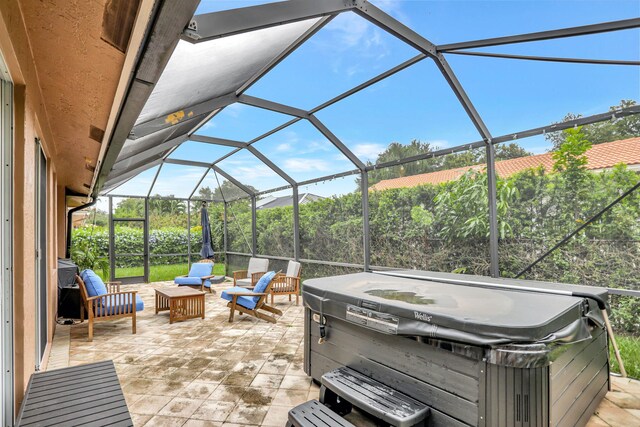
(183, 303)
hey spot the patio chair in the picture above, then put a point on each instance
(289, 283)
(200, 276)
(249, 277)
(102, 304)
(253, 302)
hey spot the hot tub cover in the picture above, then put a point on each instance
(455, 312)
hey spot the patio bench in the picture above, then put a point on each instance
(85, 395)
(315, 414)
(344, 387)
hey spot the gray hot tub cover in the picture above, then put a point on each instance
(464, 314)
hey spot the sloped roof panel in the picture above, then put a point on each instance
(202, 71)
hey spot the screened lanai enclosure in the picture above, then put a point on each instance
(350, 136)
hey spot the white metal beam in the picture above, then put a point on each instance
(545, 58)
(272, 106)
(217, 141)
(150, 152)
(236, 21)
(624, 24)
(116, 179)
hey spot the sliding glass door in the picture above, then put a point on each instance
(41, 254)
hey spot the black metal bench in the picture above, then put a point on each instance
(87, 395)
(344, 387)
(315, 414)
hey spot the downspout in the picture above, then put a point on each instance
(70, 224)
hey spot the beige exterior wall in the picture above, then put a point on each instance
(26, 129)
(29, 113)
(66, 76)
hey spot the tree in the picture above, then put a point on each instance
(607, 131)
(461, 207)
(397, 151)
(510, 151)
(479, 156)
(571, 162)
(130, 208)
(570, 157)
(168, 206)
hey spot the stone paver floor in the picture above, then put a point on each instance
(212, 373)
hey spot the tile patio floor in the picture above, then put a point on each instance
(212, 373)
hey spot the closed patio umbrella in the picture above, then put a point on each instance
(207, 251)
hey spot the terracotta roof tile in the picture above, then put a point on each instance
(600, 156)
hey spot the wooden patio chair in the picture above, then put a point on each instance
(289, 283)
(253, 303)
(102, 303)
(200, 276)
(249, 277)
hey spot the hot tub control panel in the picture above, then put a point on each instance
(371, 319)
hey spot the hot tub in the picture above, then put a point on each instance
(476, 354)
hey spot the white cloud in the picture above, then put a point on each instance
(353, 39)
(349, 28)
(353, 70)
(179, 182)
(285, 146)
(306, 165)
(232, 161)
(296, 146)
(368, 151)
(292, 142)
(394, 8)
(208, 125)
(250, 173)
(234, 110)
(315, 146)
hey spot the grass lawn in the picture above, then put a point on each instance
(159, 273)
(630, 350)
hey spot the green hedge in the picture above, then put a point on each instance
(445, 228)
(130, 240)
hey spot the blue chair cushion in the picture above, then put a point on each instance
(94, 284)
(193, 281)
(118, 303)
(246, 302)
(200, 269)
(263, 283)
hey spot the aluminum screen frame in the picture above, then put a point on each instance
(166, 124)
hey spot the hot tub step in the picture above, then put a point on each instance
(315, 414)
(371, 396)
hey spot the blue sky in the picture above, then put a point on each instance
(415, 103)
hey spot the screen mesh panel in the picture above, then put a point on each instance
(202, 71)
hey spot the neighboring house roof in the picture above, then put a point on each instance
(600, 156)
(278, 202)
